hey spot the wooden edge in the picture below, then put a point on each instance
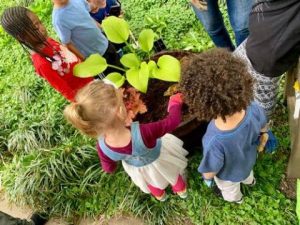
(293, 168)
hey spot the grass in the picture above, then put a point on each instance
(46, 164)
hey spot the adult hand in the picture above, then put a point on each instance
(200, 4)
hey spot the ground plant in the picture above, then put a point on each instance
(48, 165)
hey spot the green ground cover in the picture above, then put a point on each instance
(46, 163)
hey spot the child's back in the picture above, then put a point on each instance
(233, 152)
(218, 88)
(74, 24)
(152, 158)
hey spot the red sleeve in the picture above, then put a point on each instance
(152, 131)
(55, 80)
(108, 165)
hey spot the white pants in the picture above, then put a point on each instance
(231, 191)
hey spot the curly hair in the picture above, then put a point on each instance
(215, 83)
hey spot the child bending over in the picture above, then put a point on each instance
(51, 60)
(151, 157)
(218, 88)
(80, 33)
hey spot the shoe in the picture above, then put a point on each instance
(240, 201)
(182, 194)
(162, 198)
(39, 218)
(253, 183)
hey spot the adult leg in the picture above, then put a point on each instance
(213, 23)
(265, 88)
(239, 11)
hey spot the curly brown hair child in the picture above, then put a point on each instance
(217, 87)
(215, 83)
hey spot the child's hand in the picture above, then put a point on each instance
(178, 98)
(175, 100)
(270, 144)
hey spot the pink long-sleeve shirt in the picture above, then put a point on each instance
(150, 133)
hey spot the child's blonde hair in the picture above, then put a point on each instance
(95, 109)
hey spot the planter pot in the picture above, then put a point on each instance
(190, 130)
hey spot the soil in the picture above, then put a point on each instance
(155, 100)
(157, 105)
(288, 187)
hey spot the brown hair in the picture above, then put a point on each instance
(215, 83)
(95, 109)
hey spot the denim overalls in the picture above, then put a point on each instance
(140, 156)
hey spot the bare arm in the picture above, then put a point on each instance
(264, 129)
(73, 49)
(209, 175)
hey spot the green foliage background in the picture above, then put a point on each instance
(48, 165)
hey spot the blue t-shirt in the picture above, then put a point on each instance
(73, 23)
(232, 154)
(102, 13)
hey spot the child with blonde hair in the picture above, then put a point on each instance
(151, 157)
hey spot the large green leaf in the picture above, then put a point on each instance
(168, 69)
(138, 77)
(144, 76)
(146, 40)
(116, 29)
(152, 68)
(130, 60)
(92, 66)
(116, 78)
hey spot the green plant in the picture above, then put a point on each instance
(137, 72)
(156, 23)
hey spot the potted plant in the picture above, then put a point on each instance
(152, 77)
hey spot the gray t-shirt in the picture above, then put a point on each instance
(74, 24)
(232, 154)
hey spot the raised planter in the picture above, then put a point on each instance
(190, 130)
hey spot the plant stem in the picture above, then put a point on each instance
(134, 41)
(130, 47)
(116, 67)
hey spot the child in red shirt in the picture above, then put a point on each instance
(51, 60)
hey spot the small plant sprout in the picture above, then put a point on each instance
(136, 71)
